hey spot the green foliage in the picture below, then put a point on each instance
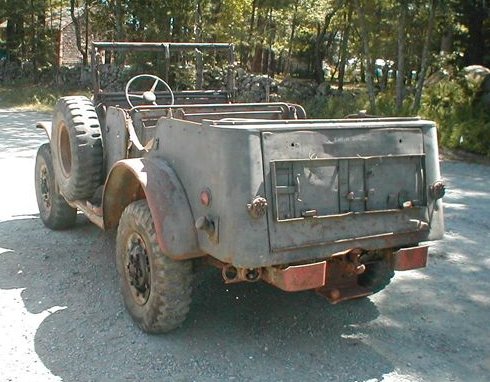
(296, 38)
(335, 106)
(40, 98)
(464, 123)
(386, 105)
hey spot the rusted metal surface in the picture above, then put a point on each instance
(410, 258)
(293, 278)
(335, 278)
(232, 274)
(344, 293)
(92, 212)
(153, 179)
(341, 283)
(298, 277)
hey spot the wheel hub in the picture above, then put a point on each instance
(64, 150)
(138, 269)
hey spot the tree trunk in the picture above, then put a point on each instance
(78, 34)
(119, 57)
(425, 57)
(258, 52)
(367, 55)
(198, 22)
(447, 42)
(119, 15)
(86, 30)
(247, 51)
(319, 40)
(33, 40)
(15, 34)
(343, 48)
(294, 24)
(400, 72)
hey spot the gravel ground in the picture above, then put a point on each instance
(62, 318)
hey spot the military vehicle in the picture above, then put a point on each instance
(257, 190)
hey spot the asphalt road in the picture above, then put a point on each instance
(62, 318)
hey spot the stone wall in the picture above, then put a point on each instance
(68, 53)
(256, 87)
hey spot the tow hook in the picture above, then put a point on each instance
(354, 266)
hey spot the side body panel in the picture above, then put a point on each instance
(228, 163)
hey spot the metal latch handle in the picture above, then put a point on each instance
(297, 185)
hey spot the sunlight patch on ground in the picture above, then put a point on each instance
(480, 298)
(455, 206)
(464, 194)
(412, 275)
(395, 376)
(4, 250)
(19, 358)
(20, 191)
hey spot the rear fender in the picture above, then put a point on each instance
(155, 181)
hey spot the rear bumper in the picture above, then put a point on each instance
(318, 275)
(298, 277)
(406, 259)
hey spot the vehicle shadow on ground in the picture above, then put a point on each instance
(247, 332)
(254, 332)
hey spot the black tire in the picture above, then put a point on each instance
(377, 276)
(156, 289)
(76, 143)
(55, 213)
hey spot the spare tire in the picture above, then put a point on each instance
(76, 145)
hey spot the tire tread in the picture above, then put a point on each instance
(61, 215)
(81, 120)
(170, 296)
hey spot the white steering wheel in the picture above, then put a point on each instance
(149, 96)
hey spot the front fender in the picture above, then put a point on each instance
(155, 180)
(47, 126)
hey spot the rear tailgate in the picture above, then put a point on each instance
(336, 185)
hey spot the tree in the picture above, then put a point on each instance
(321, 32)
(344, 45)
(75, 18)
(15, 31)
(425, 57)
(367, 54)
(400, 73)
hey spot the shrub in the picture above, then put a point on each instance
(335, 105)
(464, 122)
